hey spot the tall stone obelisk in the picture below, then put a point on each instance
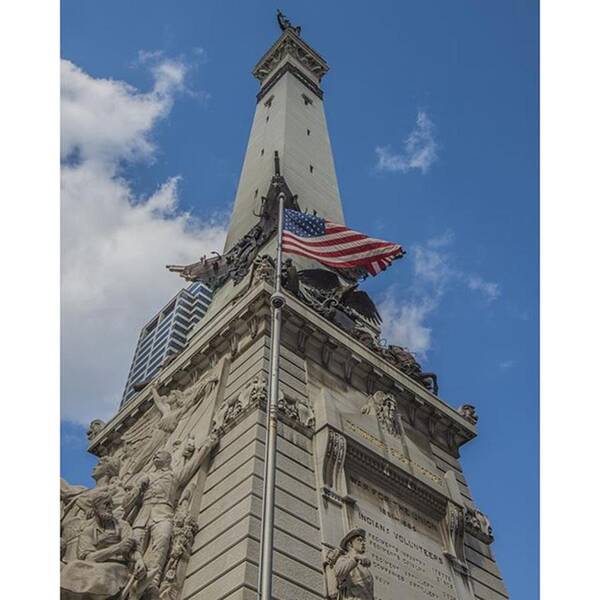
(371, 500)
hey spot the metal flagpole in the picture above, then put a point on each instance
(266, 545)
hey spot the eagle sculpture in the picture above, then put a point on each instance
(340, 293)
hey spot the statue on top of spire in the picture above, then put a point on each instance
(285, 23)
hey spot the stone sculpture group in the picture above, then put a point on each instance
(129, 536)
(126, 536)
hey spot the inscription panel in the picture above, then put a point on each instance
(404, 546)
(398, 450)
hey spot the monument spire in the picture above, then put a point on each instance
(289, 119)
(285, 412)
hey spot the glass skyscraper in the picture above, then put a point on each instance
(165, 335)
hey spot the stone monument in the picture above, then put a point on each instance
(371, 502)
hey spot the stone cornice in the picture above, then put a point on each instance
(290, 44)
(216, 336)
(404, 484)
(297, 73)
(443, 422)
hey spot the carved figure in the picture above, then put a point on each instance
(384, 406)
(228, 410)
(94, 429)
(347, 569)
(258, 389)
(185, 527)
(285, 23)
(289, 277)
(76, 501)
(288, 407)
(183, 451)
(309, 420)
(156, 495)
(468, 412)
(264, 268)
(171, 408)
(479, 525)
(108, 559)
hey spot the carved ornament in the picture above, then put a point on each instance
(289, 44)
(384, 406)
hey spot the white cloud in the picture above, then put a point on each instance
(419, 151)
(114, 242)
(434, 273)
(489, 289)
(404, 324)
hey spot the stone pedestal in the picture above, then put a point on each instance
(343, 462)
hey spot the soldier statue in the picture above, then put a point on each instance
(347, 569)
(156, 496)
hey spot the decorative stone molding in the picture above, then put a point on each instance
(412, 407)
(297, 73)
(264, 269)
(478, 525)
(289, 44)
(454, 535)
(333, 463)
(292, 410)
(373, 380)
(302, 338)
(349, 365)
(252, 395)
(330, 496)
(327, 349)
(432, 424)
(404, 484)
(452, 438)
(253, 324)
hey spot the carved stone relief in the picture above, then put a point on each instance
(478, 525)
(142, 533)
(296, 411)
(108, 560)
(253, 393)
(333, 463)
(454, 523)
(384, 407)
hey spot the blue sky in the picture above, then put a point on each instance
(459, 79)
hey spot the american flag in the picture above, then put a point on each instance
(335, 245)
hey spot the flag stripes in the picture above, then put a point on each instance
(335, 245)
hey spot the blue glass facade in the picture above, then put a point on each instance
(166, 335)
